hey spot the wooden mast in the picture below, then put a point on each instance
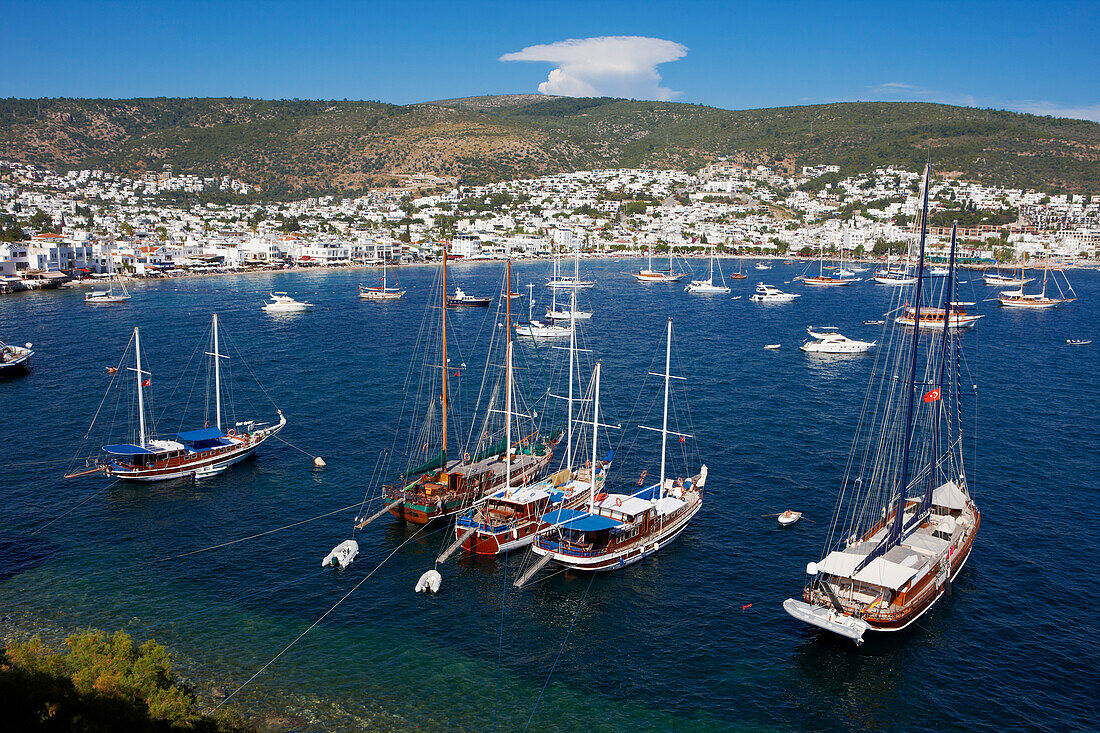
(445, 375)
(508, 382)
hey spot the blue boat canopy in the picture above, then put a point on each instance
(195, 436)
(127, 449)
(580, 521)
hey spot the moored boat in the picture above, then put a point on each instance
(14, 358)
(905, 522)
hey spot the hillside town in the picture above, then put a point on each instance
(56, 227)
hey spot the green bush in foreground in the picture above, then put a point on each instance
(99, 682)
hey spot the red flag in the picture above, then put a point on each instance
(746, 606)
(147, 383)
(456, 374)
(682, 439)
(932, 396)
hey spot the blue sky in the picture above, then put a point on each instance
(1035, 57)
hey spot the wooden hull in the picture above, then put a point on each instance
(206, 463)
(421, 507)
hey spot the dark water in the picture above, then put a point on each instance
(662, 645)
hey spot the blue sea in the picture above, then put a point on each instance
(692, 639)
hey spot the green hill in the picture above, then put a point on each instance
(296, 147)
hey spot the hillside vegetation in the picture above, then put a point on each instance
(296, 147)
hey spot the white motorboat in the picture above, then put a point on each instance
(789, 517)
(1071, 342)
(829, 340)
(539, 329)
(342, 555)
(762, 266)
(283, 303)
(770, 294)
(772, 347)
(938, 271)
(707, 286)
(14, 358)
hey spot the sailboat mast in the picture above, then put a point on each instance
(140, 395)
(508, 378)
(217, 378)
(910, 384)
(948, 292)
(569, 408)
(445, 380)
(664, 420)
(595, 426)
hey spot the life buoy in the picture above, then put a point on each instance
(231, 432)
(466, 457)
(618, 502)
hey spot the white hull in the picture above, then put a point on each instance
(107, 299)
(1032, 304)
(706, 288)
(565, 315)
(929, 325)
(374, 295)
(628, 555)
(895, 280)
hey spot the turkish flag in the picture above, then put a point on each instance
(147, 383)
(932, 396)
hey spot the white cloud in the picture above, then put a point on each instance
(900, 90)
(614, 66)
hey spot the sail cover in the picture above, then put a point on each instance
(430, 465)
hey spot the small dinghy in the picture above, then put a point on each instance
(342, 555)
(789, 517)
(1078, 342)
(429, 581)
(773, 347)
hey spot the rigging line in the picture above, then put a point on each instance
(284, 440)
(115, 376)
(73, 508)
(560, 650)
(261, 534)
(322, 617)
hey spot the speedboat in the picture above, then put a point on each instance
(829, 340)
(283, 303)
(770, 294)
(461, 298)
(762, 266)
(14, 358)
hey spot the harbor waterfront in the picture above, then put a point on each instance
(691, 638)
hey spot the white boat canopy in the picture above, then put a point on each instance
(949, 496)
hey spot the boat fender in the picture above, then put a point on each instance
(319, 462)
(429, 581)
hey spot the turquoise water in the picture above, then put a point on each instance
(662, 645)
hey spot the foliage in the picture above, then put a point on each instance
(99, 682)
(10, 231)
(312, 147)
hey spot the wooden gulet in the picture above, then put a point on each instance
(444, 487)
(189, 454)
(616, 530)
(888, 574)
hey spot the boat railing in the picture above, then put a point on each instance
(565, 547)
